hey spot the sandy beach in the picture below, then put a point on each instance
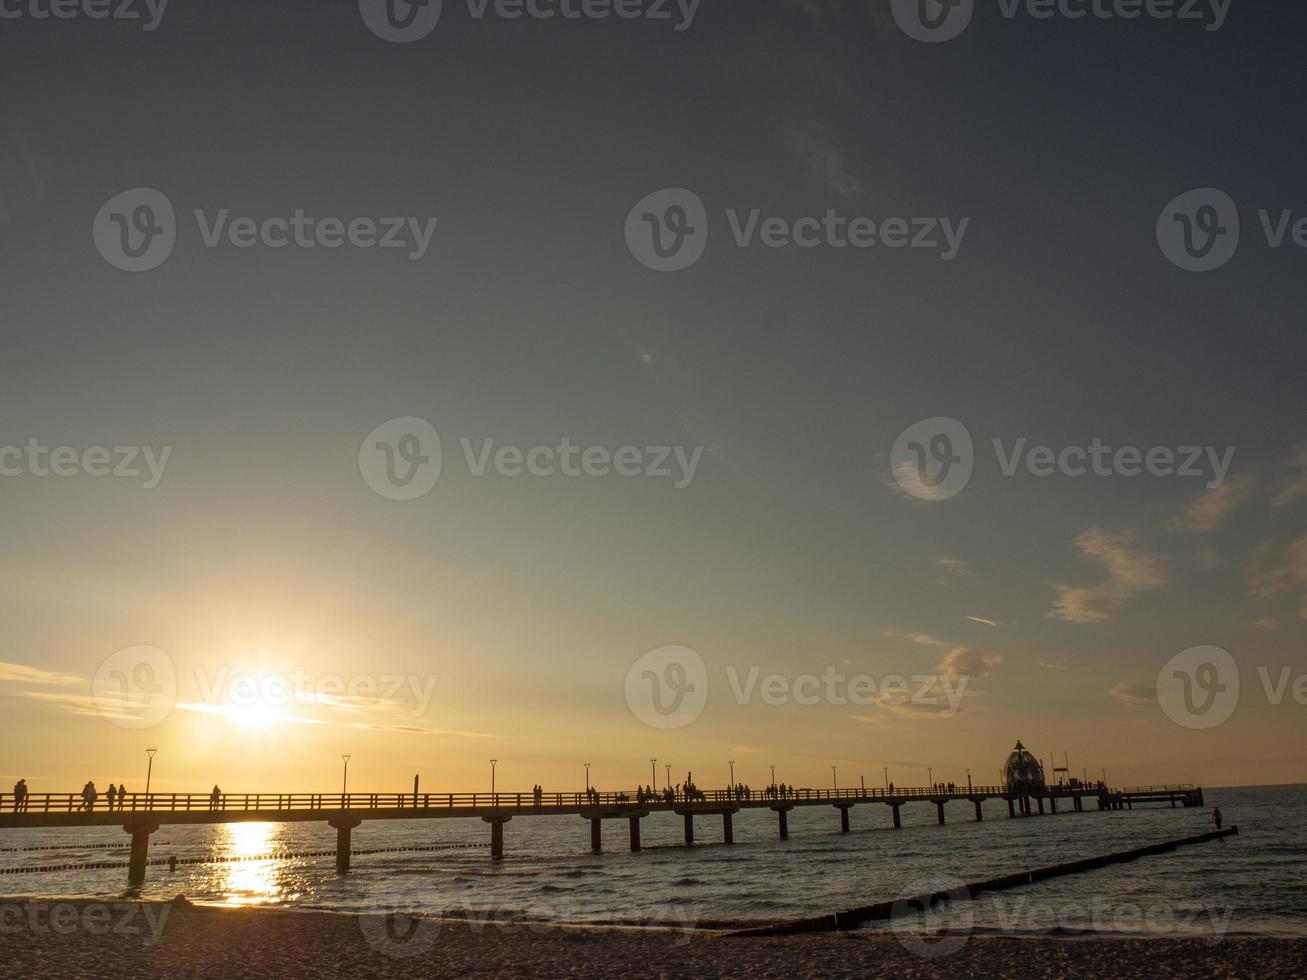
(86, 939)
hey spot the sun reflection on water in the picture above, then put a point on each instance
(244, 881)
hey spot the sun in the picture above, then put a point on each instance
(253, 715)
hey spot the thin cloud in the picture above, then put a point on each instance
(1042, 663)
(416, 730)
(238, 712)
(1134, 695)
(25, 674)
(1295, 486)
(1210, 510)
(1129, 571)
(1274, 571)
(824, 160)
(983, 621)
(1267, 623)
(966, 662)
(108, 705)
(921, 639)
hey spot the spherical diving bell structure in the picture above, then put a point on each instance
(1022, 773)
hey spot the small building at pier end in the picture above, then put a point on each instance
(1022, 774)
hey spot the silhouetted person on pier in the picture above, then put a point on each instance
(110, 794)
(1217, 818)
(89, 796)
(122, 795)
(20, 795)
(214, 797)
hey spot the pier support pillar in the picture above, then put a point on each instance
(844, 819)
(898, 817)
(497, 835)
(1011, 809)
(343, 828)
(979, 814)
(635, 834)
(939, 806)
(728, 831)
(689, 829)
(596, 835)
(781, 812)
(1040, 801)
(1052, 804)
(140, 851)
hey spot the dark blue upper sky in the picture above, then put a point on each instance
(1059, 320)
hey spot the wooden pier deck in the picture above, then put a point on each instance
(140, 815)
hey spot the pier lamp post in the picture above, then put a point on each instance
(587, 777)
(731, 763)
(653, 771)
(344, 779)
(930, 777)
(492, 776)
(886, 768)
(968, 780)
(668, 784)
(834, 780)
(773, 774)
(149, 768)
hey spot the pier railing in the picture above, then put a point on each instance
(272, 802)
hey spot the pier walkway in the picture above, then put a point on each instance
(140, 814)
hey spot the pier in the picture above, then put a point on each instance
(141, 815)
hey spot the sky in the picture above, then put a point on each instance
(253, 392)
